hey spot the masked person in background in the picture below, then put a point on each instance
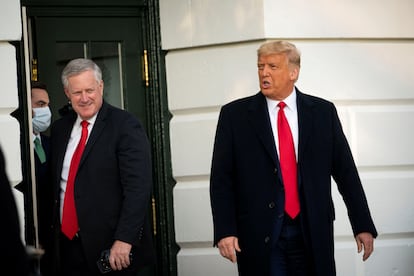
(41, 118)
(41, 122)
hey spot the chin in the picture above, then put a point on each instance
(266, 92)
(86, 115)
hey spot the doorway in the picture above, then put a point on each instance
(123, 39)
(114, 43)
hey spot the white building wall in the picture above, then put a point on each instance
(359, 54)
(10, 30)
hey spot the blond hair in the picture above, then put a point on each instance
(280, 47)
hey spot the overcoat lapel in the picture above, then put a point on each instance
(259, 119)
(305, 122)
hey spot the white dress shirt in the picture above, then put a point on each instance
(70, 149)
(291, 113)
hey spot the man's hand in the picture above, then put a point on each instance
(119, 258)
(228, 247)
(365, 241)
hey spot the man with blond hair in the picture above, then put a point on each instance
(274, 155)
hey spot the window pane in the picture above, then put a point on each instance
(108, 57)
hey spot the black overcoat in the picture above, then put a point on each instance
(246, 190)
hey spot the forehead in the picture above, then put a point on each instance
(86, 78)
(38, 93)
(272, 58)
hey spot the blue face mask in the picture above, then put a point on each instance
(41, 119)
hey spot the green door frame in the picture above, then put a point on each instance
(157, 113)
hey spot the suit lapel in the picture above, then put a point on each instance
(305, 121)
(97, 129)
(259, 119)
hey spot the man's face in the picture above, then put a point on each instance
(276, 77)
(85, 93)
(40, 98)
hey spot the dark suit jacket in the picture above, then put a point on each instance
(246, 189)
(44, 204)
(44, 189)
(113, 184)
(43, 194)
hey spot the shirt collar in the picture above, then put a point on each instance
(91, 121)
(290, 102)
(34, 136)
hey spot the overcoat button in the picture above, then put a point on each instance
(267, 239)
(275, 171)
(271, 205)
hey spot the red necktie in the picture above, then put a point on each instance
(288, 163)
(69, 218)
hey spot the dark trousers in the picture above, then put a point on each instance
(72, 258)
(289, 255)
(73, 261)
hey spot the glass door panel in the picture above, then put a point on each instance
(108, 56)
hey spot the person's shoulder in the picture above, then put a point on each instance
(313, 100)
(67, 118)
(116, 112)
(44, 136)
(242, 102)
(119, 117)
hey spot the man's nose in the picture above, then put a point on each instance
(84, 96)
(265, 71)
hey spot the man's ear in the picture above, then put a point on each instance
(101, 84)
(66, 93)
(294, 73)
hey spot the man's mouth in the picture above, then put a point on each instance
(84, 105)
(265, 84)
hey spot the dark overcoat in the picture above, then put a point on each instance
(246, 189)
